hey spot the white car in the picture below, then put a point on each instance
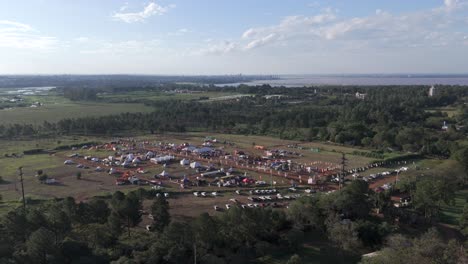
(196, 194)
(214, 193)
(228, 206)
(166, 195)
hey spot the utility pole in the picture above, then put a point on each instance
(195, 252)
(20, 171)
(343, 169)
(271, 178)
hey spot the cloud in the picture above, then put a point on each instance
(24, 37)
(436, 27)
(179, 32)
(217, 48)
(150, 10)
(289, 27)
(82, 39)
(451, 3)
(122, 47)
(261, 42)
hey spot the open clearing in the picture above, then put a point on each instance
(101, 183)
(53, 111)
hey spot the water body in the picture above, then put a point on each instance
(308, 80)
(26, 90)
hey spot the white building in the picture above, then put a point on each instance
(360, 96)
(431, 91)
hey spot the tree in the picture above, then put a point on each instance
(41, 245)
(428, 248)
(58, 222)
(353, 201)
(16, 225)
(205, 231)
(294, 259)
(462, 157)
(160, 213)
(78, 175)
(344, 234)
(305, 212)
(42, 178)
(463, 223)
(98, 211)
(125, 210)
(431, 193)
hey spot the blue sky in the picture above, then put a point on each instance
(230, 37)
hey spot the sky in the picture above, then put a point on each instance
(233, 36)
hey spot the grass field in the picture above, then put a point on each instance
(450, 111)
(56, 108)
(451, 213)
(161, 96)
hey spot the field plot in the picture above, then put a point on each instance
(55, 108)
(327, 152)
(163, 96)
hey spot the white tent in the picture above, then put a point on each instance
(162, 159)
(164, 174)
(189, 148)
(195, 165)
(203, 150)
(185, 162)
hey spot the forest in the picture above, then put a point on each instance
(101, 231)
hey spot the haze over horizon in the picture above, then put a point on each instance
(176, 37)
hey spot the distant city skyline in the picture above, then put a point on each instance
(175, 37)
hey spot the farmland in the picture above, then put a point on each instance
(54, 107)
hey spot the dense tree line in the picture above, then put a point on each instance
(389, 118)
(103, 231)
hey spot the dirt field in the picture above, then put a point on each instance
(100, 183)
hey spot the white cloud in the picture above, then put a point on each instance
(82, 39)
(22, 36)
(217, 48)
(382, 30)
(124, 7)
(121, 47)
(451, 3)
(261, 42)
(289, 27)
(180, 32)
(150, 10)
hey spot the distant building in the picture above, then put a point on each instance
(432, 91)
(445, 127)
(361, 96)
